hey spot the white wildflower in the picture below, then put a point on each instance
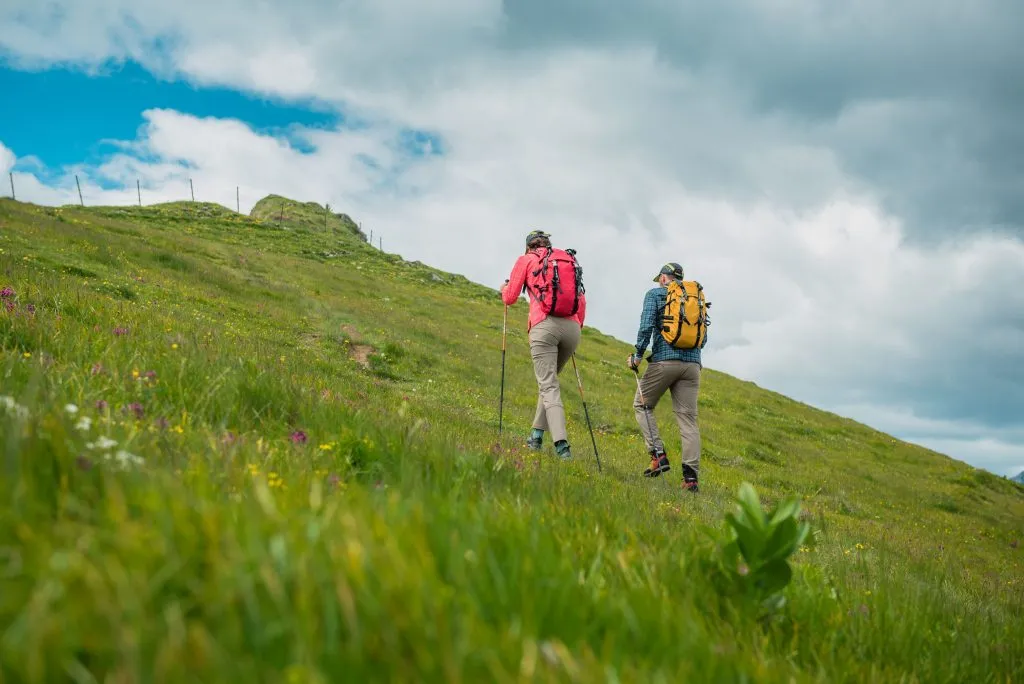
(71, 409)
(84, 423)
(125, 459)
(103, 442)
(11, 406)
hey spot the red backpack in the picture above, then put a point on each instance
(557, 283)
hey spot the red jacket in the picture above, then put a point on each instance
(530, 261)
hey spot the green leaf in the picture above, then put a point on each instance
(774, 576)
(751, 504)
(749, 540)
(783, 541)
(788, 508)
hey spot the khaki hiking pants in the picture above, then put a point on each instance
(682, 380)
(552, 343)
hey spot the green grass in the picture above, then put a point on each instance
(400, 541)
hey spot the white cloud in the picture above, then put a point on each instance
(629, 157)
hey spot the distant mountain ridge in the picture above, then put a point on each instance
(1019, 477)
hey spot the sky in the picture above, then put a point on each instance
(845, 179)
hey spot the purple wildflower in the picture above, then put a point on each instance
(229, 438)
(119, 331)
(101, 405)
(9, 306)
(136, 408)
(97, 368)
(150, 374)
(31, 308)
(6, 293)
(299, 437)
(162, 423)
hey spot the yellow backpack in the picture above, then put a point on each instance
(685, 318)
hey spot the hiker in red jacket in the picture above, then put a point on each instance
(553, 280)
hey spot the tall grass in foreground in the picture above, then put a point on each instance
(202, 482)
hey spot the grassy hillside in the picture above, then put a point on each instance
(238, 449)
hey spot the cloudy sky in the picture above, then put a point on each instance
(845, 179)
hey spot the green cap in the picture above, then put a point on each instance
(671, 269)
(534, 234)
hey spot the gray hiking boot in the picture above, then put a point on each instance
(563, 451)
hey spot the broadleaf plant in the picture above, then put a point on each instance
(758, 544)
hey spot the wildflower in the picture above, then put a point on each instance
(27, 355)
(174, 346)
(9, 306)
(124, 458)
(135, 373)
(229, 438)
(119, 331)
(298, 437)
(134, 407)
(97, 368)
(11, 406)
(150, 375)
(326, 447)
(101, 405)
(71, 409)
(84, 424)
(83, 463)
(162, 423)
(6, 293)
(103, 443)
(31, 308)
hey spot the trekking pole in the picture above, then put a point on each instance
(501, 403)
(579, 383)
(647, 414)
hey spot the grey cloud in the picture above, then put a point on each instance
(947, 154)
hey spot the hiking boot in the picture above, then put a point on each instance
(689, 479)
(534, 444)
(562, 449)
(659, 465)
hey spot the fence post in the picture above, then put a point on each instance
(13, 196)
(80, 200)
(238, 202)
(138, 189)
(192, 190)
(327, 211)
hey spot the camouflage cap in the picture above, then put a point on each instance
(671, 269)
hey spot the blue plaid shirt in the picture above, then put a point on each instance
(650, 326)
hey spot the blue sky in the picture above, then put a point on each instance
(63, 116)
(766, 157)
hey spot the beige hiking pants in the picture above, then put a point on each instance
(552, 343)
(682, 380)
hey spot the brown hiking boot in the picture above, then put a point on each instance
(659, 464)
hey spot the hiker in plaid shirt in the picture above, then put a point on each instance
(672, 369)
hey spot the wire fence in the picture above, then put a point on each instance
(238, 205)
